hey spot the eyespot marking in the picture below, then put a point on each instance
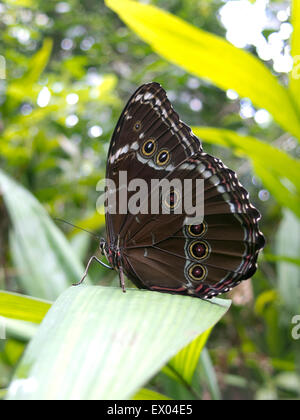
(163, 157)
(197, 272)
(198, 250)
(149, 147)
(196, 231)
(137, 126)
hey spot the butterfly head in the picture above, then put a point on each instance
(103, 246)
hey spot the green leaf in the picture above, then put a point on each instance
(22, 307)
(45, 260)
(211, 57)
(275, 258)
(21, 3)
(279, 172)
(100, 343)
(210, 374)
(295, 73)
(284, 196)
(80, 244)
(281, 163)
(19, 330)
(288, 242)
(183, 365)
(264, 299)
(148, 394)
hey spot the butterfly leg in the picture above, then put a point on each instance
(94, 258)
(122, 280)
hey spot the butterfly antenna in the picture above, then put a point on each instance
(77, 227)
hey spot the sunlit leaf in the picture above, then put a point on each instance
(22, 307)
(295, 73)
(94, 338)
(24, 3)
(148, 394)
(211, 57)
(94, 222)
(273, 170)
(279, 161)
(183, 365)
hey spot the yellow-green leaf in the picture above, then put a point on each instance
(211, 57)
(278, 170)
(295, 74)
(148, 394)
(183, 365)
(22, 307)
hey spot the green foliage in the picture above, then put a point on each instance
(279, 173)
(295, 44)
(148, 394)
(211, 57)
(108, 335)
(182, 366)
(31, 251)
(70, 71)
(22, 307)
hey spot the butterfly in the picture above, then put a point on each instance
(160, 252)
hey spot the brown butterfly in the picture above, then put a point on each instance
(159, 251)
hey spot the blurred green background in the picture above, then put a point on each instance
(70, 68)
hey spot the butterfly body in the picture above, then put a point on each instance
(162, 252)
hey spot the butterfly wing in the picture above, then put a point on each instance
(207, 259)
(158, 251)
(147, 127)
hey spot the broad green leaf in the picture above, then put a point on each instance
(100, 343)
(279, 171)
(22, 307)
(211, 57)
(148, 394)
(295, 73)
(288, 242)
(80, 244)
(183, 365)
(46, 263)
